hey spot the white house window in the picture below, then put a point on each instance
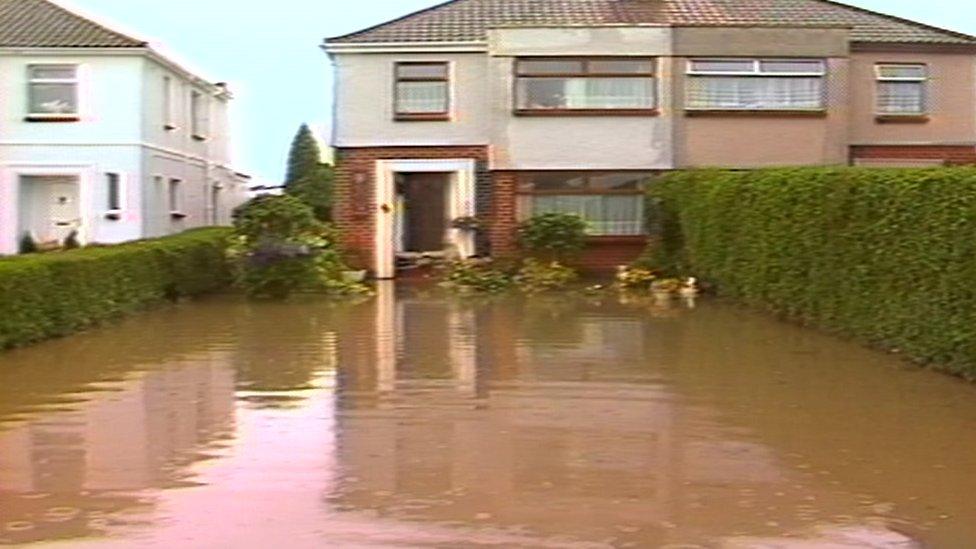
(215, 191)
(422, 91)
(756, 84)
(199, 115)
(113, 192)
(53, 91)
(169, 111)
(902, 89)
(585, 85)
(175, 196)
(612, 204)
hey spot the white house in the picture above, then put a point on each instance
(102, 136)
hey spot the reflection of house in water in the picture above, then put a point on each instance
(132, 435)
(451, 412)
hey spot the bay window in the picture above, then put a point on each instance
(52, 91)
(585, 86)
(901, 89)
(422, 91)
(612, 204)
(756, 84)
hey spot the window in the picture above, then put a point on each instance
(113, 183)
(422, 91)
(175, 196)
(215, 189)
(199, 115)
(581, 86)
(53, 91)
(169, 120)
(756, 84)
(612, 204)
(901, 89)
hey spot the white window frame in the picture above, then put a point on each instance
(757, 71)
(121, 189)
(174, 200)
(199, 115)
(76, 81)
(922, 80)
(169, 103)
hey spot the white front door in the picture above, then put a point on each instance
(50, 207)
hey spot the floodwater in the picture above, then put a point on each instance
(419, 420)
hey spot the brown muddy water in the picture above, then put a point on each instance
(419, 420)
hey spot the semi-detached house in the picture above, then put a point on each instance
(506, 108)
(103, 137)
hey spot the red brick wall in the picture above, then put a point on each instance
(951, 154)
(355, 189)
(503, 222)
(604, 254)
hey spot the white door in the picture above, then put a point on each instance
(50, 207)
(64, 211)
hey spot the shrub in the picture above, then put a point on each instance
(886, 255)
(71, 241)
(279, 247)
(50, 295)
(475, 276)
(27, 244)
(636, 278)
(537, 276)
(553, 236)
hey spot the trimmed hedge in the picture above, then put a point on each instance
(885, 255)
(55, 294)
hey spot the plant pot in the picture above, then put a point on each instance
(353, 277)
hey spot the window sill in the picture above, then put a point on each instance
(114, 215)
(587, 112)
(432, 117)
(177, 216)
(170, 127)
(757, 113)
(52, 118)
(617, 239)
(197, 137)
(901, 118)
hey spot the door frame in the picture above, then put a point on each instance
(460, 203)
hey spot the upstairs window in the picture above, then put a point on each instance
(756, 84)
(199, 116)
(53, 91)
(422, 91)
(169, 110)
(901, 89)
(585, 86)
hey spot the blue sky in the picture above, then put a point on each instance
(268, 52)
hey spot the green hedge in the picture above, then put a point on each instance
(886, 255)
(55, 294)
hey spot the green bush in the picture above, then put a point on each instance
(50, 295)
(887, 255)
(279, 248)
(27, 244)
(553, 236)
(475, 276)
(539, 276)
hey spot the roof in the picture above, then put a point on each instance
(469, 20)
(43, 24)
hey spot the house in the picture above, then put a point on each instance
(505, 108)
(102, 136)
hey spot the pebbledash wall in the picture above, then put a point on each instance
(483, 126)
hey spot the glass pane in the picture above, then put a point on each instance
(586, 93)
(53, 99)
(53, 72)
(643, 66)
(427, 70)
(618, 182)
(902, 71)
(755, 93)
(792, 66)
(604, 215)
(421, 97)
(550, 67)
(114, 192)
(733, 65)
(901, 97)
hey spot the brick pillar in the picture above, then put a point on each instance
(504, 223)
(355, 207)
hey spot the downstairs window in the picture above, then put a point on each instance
(612, 204)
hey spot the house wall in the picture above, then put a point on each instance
(757, 139)
(367, 119)
(577, 142)
(951, 101)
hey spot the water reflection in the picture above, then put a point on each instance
(419, 419)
